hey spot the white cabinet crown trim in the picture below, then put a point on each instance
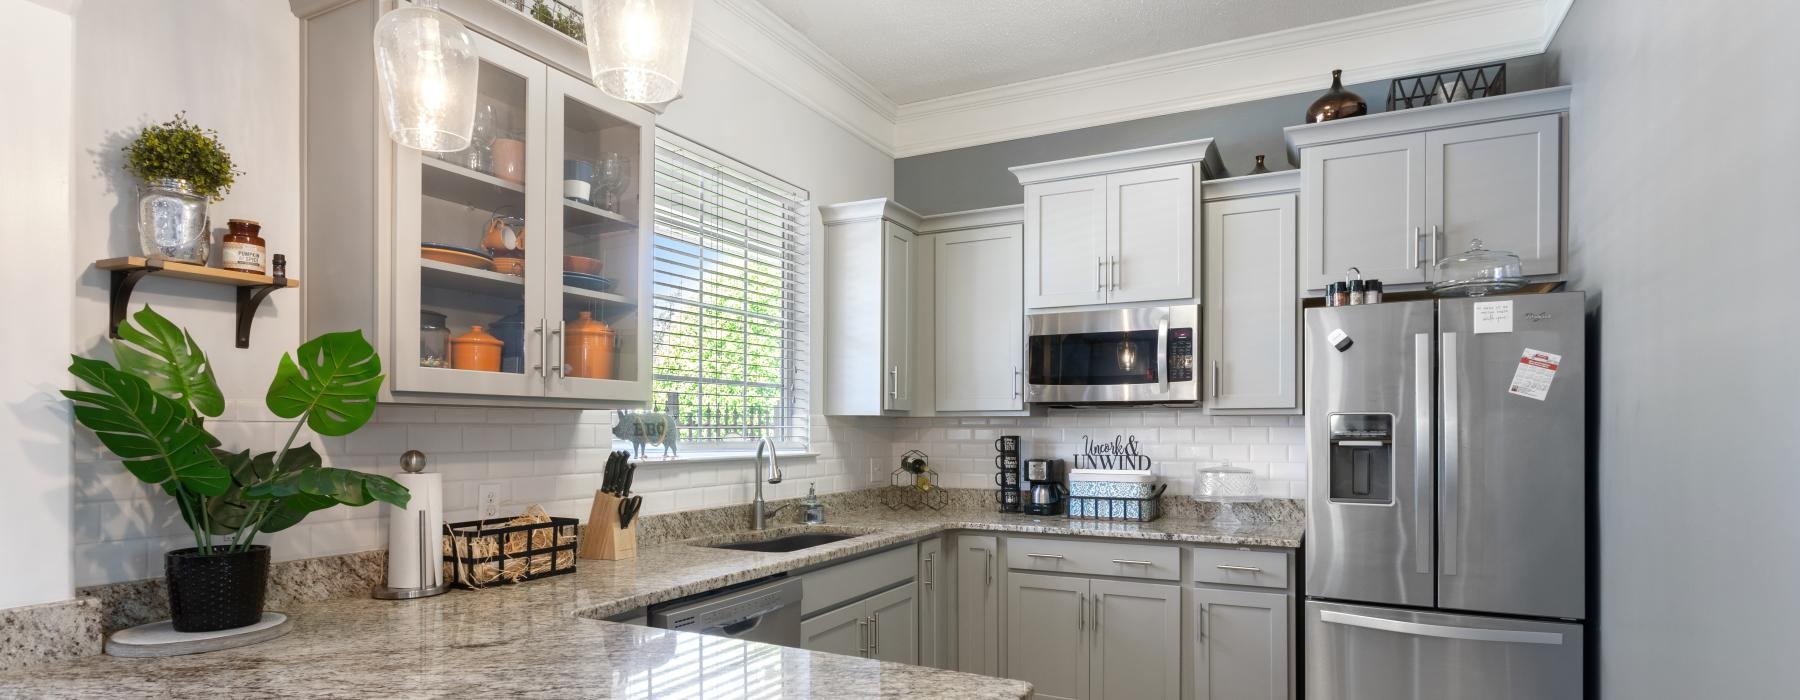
(870, 210)
(1200, 151)
(1404, 121)
(973, 218)
(1250, 185)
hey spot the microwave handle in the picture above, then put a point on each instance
(1162, 356)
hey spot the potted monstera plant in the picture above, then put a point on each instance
(150, 412)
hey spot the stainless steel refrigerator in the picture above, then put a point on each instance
(1446, 536)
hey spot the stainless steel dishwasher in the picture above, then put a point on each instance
(767, 611)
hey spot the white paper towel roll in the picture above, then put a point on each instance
(406, 561)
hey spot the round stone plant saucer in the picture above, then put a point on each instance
(161, 639)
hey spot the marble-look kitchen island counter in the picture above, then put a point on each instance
(546, 639)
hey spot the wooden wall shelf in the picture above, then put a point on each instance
(251, 289)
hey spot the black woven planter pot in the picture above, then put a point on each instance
(217, 592)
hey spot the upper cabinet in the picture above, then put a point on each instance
(1114, 228)
(978, 310)
(1392, 193)
(869, 266)
(511, 273)
(1250, 347)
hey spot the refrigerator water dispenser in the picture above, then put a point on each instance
(1362, 458)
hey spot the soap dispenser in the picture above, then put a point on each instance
(815, 510)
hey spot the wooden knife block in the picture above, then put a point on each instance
(604, 539)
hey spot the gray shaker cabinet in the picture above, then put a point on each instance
(933, 592)
(1136, 649)
(1251, 342)
(1393, 193)
(841, 631)
(977, 605)
(1242, 645)
(1048, 636)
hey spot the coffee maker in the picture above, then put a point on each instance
(1041, 486)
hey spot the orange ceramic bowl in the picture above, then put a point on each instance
(510, 266)
(576, 263)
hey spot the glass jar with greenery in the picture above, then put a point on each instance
(183, 167)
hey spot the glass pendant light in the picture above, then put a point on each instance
(637, 49)
(427, 66)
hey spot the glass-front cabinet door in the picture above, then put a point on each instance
(598, 243)
(472, 252)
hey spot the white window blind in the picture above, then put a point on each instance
(730, 288)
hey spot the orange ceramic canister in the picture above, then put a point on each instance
(588, 345)
(475, 350)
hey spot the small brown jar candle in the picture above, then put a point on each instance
(242, 249)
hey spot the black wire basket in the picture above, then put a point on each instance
(1447, 86)
(481, 553)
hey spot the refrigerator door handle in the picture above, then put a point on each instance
(1422, 452)
(1451, 506)
(1420, 629)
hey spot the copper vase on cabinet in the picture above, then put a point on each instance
(1336, 103)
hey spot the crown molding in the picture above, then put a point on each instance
(759, 41)
(1376, 46)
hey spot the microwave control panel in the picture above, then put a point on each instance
(1181, 354)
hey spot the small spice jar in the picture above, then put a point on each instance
(242, 250)
(1337, 294)
(1372, 292)
(1357, 293)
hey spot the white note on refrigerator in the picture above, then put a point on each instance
(1536, 371)
(1493, 317)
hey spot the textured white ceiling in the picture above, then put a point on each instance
(915, 50)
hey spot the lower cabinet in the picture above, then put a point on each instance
(1242, 645)
(1080, 638)
(977, 605)
(934, 604)
(883, 626)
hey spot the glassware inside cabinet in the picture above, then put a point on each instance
(473, 233)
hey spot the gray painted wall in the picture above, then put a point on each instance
(976, 177)
(1685, 244)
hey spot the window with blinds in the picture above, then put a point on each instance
(730, 288)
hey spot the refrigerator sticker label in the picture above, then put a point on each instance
(1493, 317)
(1537, 369)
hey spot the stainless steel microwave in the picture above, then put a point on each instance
(1136, 355)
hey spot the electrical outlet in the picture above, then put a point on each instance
(487, 499)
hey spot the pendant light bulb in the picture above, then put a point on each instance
(637, 49)
(427, 66)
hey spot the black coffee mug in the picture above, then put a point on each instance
(1006, 462)
(1007, 443)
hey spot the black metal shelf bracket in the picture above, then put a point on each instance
(123, 281)
(248, 298)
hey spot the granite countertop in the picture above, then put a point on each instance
(546, 638)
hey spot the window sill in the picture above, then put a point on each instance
(714, 457)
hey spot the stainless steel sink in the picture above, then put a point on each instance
(790, 543)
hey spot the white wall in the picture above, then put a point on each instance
(38, 41)
(1682, 151)
(121, 527)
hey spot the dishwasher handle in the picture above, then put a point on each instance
(741, 626)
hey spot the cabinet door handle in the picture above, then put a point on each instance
(894, 381)
(1215, 379)
(1246, 569)
(1044, 556)
(990, 568)
(1116, 277)
(928, 571)
(1081, 612)
(1436, 232)
(1134, 562)
(543, 351)
(1200, 623)
(1097, 617)
(1099, 274)
(875, 634)
(862, 632)
(1015, 381)
(561, 369)
(1415, 245)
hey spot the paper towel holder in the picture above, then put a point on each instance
(413, 462)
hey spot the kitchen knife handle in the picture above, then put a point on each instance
(1451, 507)
(1422, 463)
